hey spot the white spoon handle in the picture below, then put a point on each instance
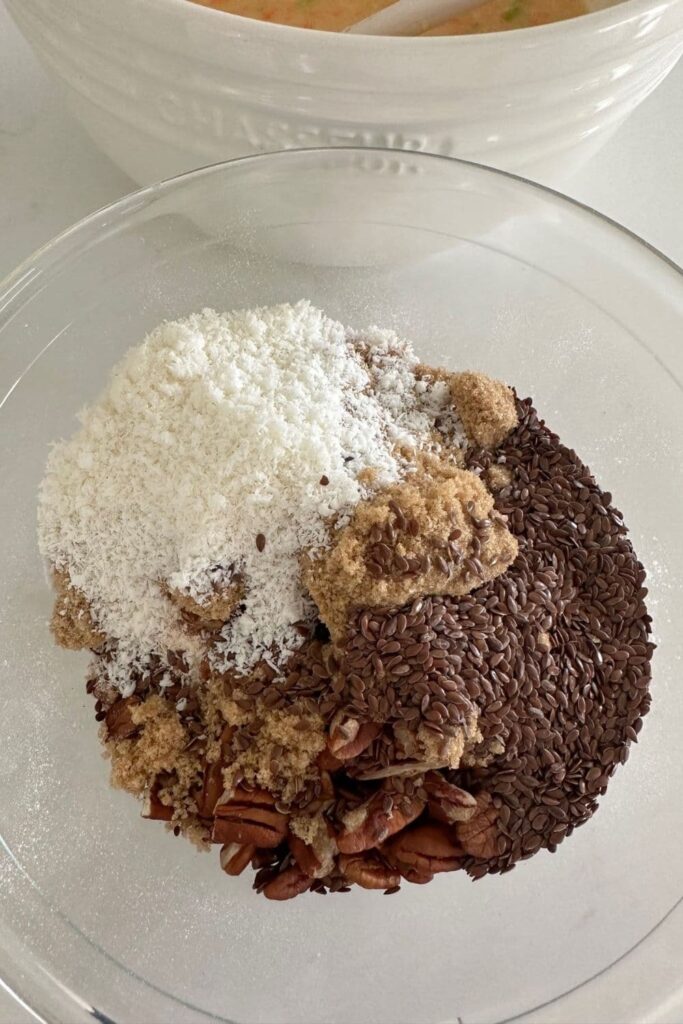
(410, 17)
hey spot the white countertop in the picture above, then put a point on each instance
(51, 175)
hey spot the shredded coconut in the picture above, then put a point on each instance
(218, 429)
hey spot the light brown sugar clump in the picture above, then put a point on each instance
(157, 748)
(485, 406)
(417, 537)
(497, 477)
(213, 611)
(72, 623)
(283, 747)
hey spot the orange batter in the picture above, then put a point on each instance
(336, 15)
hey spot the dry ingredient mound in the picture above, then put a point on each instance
(357, 620)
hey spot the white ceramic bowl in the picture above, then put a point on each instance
(164, 85)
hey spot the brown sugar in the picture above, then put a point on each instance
(214, 611)
(367, 476)
(282, 745)
(424, 529)
(314, 830)
(159, 748)
(448, 751)
(497, 477)
(72, 623)
(426, 750)
(282, 752)
(485, 406)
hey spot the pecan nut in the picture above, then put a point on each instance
(343, 730)
(368, 871)
(235, 858)
(289, 883)
(448, 803)
(304, 855)
(416, 877)
(119, 719)
(348, 738)
(212, 789)
(154, 810)
(249, 819)
(479, 835)
(327, 761)
(379, 820)
(425, 850)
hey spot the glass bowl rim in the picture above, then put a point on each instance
(14, 284)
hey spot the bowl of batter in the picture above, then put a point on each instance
(530, 86)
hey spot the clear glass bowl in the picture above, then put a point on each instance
(104, 914)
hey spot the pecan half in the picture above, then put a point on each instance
(289, 883)
(368, 871)
(304, 855)
(249, 818)
(235, 858)
(424, 850)
(343, 730)
(379, 821)
(212, 790)
(447, 802)
(327, 761)
(416, 877)
(119, 719)
(348, 738)
(479, 835)
(154, 810)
